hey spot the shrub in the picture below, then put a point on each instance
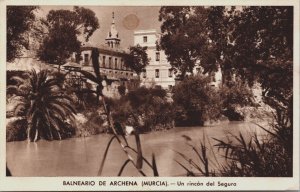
(266, 158)
(122, 90)
(16, 129)
(90, 122)
(236, 94)
(196, 101)
(146, 108)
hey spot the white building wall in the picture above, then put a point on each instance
(162, 64)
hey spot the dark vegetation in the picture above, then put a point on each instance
(42, 103)
(63, 28)
(261, 53)
(196, 101)
(20, 20)
(145, 108)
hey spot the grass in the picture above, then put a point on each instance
(268, 156)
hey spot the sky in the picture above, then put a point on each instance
(147, 18)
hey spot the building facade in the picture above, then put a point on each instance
(111, 59)
(159, 71)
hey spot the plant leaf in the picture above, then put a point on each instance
(139, 161)
(155, 171)
(90, 76)
(123, 166)
(104, 156)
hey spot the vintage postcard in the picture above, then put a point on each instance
(149, 96)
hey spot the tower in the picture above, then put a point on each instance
(112, 39)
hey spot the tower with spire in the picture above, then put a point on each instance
(112, 39)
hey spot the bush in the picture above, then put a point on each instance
(196, 101)
(236, 95)
(122, 90)
(146, 108)
(16, 129)
(267, 158)
(90, 122)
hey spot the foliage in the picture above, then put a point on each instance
(96, 77)
(235, 94)
(44, 105)
(122, 90)
(16, 130)
(254, 44)
(197, 169)
(137, 58)
(267, 155)
(196, 101)
(64, 27)
(180, 28)
(133, 84)
(261, 158)
(19, 22)
(89, 123)
(127, 148)
(219, 36)
(145, 108)
(113, 126)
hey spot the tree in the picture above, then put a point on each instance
(219, 36)
(137, 59)
(236, 94)
(19, 22)
(187, 30)
(196, 101)
(43, 104)
(64, 28)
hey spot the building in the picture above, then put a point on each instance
(112, 61)
(159, 71)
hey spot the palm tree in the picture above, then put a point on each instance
(44, 105)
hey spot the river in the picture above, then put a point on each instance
(82, 156)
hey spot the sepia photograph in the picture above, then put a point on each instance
(188, 91)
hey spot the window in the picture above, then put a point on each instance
(145, 39)
(116, 63)
(144, 73)
(109, 62)
(170, 73)
(170, 87)
(103, 61)
(122, 64)
(157, 56)
(86, 58)
(156, 73)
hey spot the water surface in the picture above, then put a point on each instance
(82, 156)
